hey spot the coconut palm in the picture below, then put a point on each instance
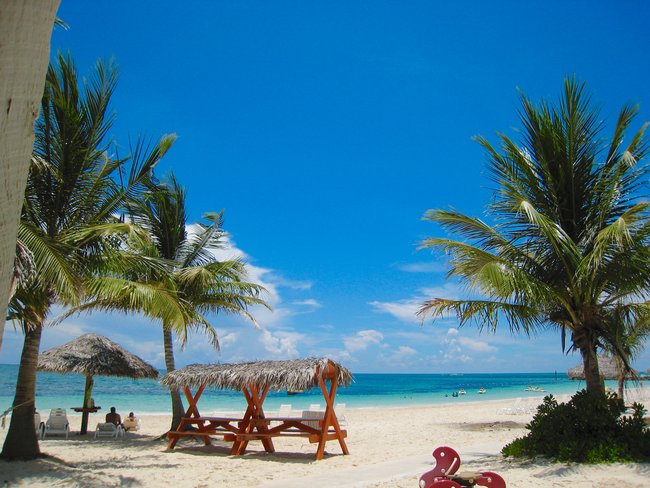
(627, 338)
(570, 236)
(198, 277)
(25, 31)
(68, 224)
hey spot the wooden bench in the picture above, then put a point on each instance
(206, 427)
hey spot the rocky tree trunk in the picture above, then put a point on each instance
(25, 30)
(177, 405)
(21, 441)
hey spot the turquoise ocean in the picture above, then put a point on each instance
(368, 390)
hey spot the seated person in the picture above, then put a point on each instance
(131, 422)
(113, 417)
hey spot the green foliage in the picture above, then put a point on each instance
(567, 243)
(590, 428)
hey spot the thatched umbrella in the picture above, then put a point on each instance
(296, 374)
(90, 355)
(607, 366)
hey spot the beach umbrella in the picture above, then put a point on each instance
(91, 355)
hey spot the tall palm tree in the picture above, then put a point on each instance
(25, 31)
(203, 282)
(68, 224)
(570, 239)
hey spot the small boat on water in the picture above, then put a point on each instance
(294, 392)
(481, 390)
(462, 391)
(534, 388)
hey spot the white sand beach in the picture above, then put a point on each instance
(389, 447)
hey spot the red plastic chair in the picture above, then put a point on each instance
(447, 464)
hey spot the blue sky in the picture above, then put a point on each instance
(325, 130)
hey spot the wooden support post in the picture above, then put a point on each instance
(192, 412)
(254, 411)
(88, 390)
(329, 418)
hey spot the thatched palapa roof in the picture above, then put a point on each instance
(607, 366)
(296, 374)
(92, 354)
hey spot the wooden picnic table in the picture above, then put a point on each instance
(255, 426)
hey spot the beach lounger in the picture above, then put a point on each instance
(108, 429)
(313, 414)
(39, 426)
(285, 410)
(314, 406)
(57, 423)
(131, 425)
(516, 408)
(339, 408)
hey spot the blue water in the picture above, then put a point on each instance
(368, 390)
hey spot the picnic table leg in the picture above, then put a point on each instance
(255, 400)
(329, 419)
(193, 409)
(192, 412)
(239, 447)
(173, 439)
(258, 399)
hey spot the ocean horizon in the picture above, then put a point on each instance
(148, 396)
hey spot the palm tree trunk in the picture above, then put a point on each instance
(592, 372)
(177, 404)
(25, 30)
(21, 441)
(621, 385)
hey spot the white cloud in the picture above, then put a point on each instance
(268, 279)
(293, 284)
(227, 339)
(404, 352)
(362, 340)
(281, 344)
(406, 309)
(310, 302)
(423, 267)
(476, 345)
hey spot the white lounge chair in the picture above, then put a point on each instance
(57, 423)
(313, 414)
(339, 409)
(516, 408)
(40, 426)
(108, 429)
(285, 410)
(131, 424)
(314, 406)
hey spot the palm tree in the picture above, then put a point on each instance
(569, 242)
(203, 282)
(69, 226)
(25, 31)
(627, 339)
